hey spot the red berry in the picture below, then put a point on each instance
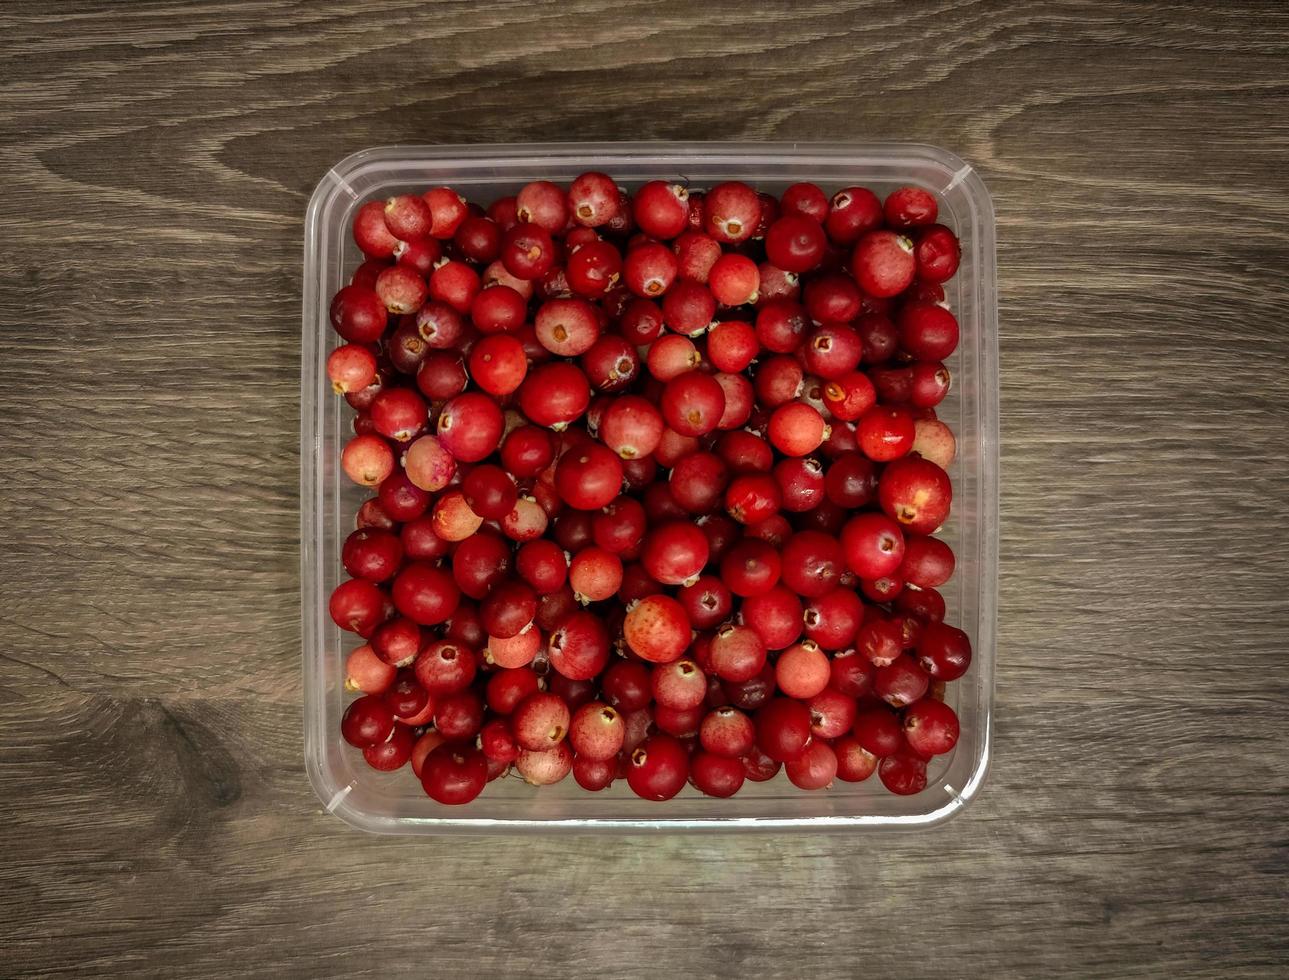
(886, 432)
(658, 768)
(931, 727)
(554, 395)
(358, 314)
(909, 207)
(661, 209)
(731, 212)
(883, 263)
(367, 722)
(928, 331)
(916, 493)
(944, 652)
(783, 729)
(937, 253)
(814, 769)
(733, 280)
(454, 773)
(593, 199)
(795, 243)
(873, 545)
(657, 629)
(903, 774)
(851, 213)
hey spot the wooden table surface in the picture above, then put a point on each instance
(156, 818)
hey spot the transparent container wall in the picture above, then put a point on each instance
(395, 803)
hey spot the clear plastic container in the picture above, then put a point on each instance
(395, 803)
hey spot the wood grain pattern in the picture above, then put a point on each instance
(157, 158)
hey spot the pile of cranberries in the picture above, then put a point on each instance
(655, 482)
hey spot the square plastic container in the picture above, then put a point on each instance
(395, 803)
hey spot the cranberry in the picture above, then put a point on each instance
(456, 284)
(357, 606)
(832, 299)
(680, 685)
(573, 530)
(854, 762)
(478, 239)
(545, 768)
(594, 775)
(944, 652)
(802, 670)
(903, 774)
(516, 651)
(526, 451)
(597, 731)
(733, 280)
(805, 199)
(781, 326)
(815, 768)
(916, 493)
(372, 554)
(776, 616)
(879, 731)
(746, 452)
(372, 514)
(592, 199)
(698, 482)
(688, 307)
(731, 212)
(540, 721)
(783, 729)
(833, 618)
(937, 253)
(675, 553)
(367, 722)
(658, 768)
(480, 561)
(527, 251)
(928, 331)
(453, 520)
(393, 753)
(909, 207)
(886, 432)
(579, 646)
(739, 400)
(716, 775)
(611, 363)
(641, 322)
(926, 604)
(931, 727)
(661, 209)
(832, 713)
(554, 395)
(543, 203)
(626, 686)
(470, 427)
(366, 672)
(727, 731)
(425, 594)
(631, 427)
(589, 478)
(759, 767)
(367, 460)
(454, 773)
(595, 574)
(879, 337)
(753, 497)
(351, 367)
(934, 440)
(796, 429)
(447, 210)
(696, 253)
(795, 243)
(406, 697)
(901, 682)
(707, 602)
(650, 269)
(778, 381)
(657, 629)
(372, 234)
(812, 563)
(750, 568)
(441, 375)
(851, 213)
(928, 562)
(731, 346)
